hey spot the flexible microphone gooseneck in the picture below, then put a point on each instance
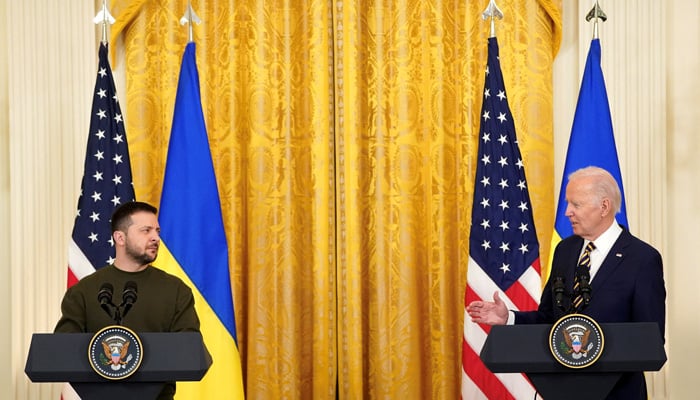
(584, 279)
(104, 296)
(558, 290)
(129, 296)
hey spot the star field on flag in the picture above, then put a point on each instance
(107, 180)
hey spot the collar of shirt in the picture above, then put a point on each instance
(603, 244)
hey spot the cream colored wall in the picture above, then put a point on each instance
(50, 56)
(683, 110)
(47, 69)
(5, 351)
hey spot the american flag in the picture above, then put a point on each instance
(503, 247)
(106, 181)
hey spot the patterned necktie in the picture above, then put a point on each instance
(583, 263)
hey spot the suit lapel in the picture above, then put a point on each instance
(612, 260)
(572, 262)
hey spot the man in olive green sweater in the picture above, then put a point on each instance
(165, 303)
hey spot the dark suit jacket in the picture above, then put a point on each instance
(628, 287)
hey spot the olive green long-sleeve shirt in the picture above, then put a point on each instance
(164, 304)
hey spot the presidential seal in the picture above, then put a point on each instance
(115, 352)
(576, 341)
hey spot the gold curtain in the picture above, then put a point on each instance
(344, 137)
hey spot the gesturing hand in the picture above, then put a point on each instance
(488, 312)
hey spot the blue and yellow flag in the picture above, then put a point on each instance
(194, 245)
(591, 142)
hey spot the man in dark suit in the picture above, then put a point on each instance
(626, 274)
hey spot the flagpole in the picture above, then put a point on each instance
(190, 17)
(493, 266)
(193, 240)
(104, 17)
(492, 11)
(597, 14)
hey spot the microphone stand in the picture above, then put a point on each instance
(558, 290)
(117, 313)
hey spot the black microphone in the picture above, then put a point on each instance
(129, 296)
(558, 290)
(584, 279)
(104, 296)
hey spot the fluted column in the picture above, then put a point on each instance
(684, 189)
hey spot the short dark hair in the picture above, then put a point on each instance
(121, 218)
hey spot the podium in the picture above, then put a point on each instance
(167, 357)
(628, 347)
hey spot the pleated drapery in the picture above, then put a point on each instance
(344, 137)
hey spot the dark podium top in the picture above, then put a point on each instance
(167, 357)
(628, 347)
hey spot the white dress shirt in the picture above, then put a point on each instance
(603, 244)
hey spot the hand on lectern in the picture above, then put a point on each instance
(488, 312)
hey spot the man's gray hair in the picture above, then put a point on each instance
(604, 185)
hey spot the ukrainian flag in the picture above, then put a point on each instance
(194, 245)
(591, 142)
